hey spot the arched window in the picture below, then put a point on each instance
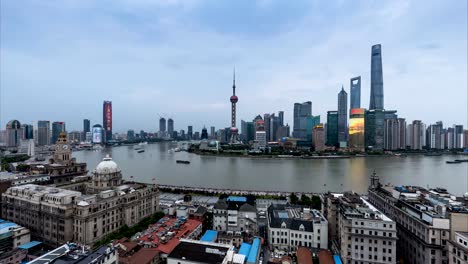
(301, 227)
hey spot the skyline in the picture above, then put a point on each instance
(272, 72)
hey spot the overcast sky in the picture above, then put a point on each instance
(60, 59)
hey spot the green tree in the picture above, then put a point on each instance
(293, 198)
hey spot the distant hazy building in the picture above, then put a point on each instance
(57, 128)
(107, 121)
(196, 136)
(416, 135)
(357, 129)
(204, 133)
(250, 131)
(266, 120)
(283, 132)
(212, 132)
(332, 128)
(43, 133)
(458, 136)
(274, 125)
(189, 132)
(355, 90)
(170, 127)
(376, 95)
(130, 134)
(162, 127)
(301, 112)
(342, 115)
(434, 136)
(318, 139)
(260, 139)
(86, 125)
(74, 137)
(14, 132)
(28, 131)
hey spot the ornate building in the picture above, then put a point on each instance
(105, 204)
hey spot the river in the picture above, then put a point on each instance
(280, 174)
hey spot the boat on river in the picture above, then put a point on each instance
(183, 161)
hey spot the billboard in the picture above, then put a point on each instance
(97, 135)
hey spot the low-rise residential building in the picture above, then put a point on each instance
(71, 253)
(426, 219)
(236, 214)
(290, 227)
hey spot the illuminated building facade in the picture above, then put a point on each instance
(107, 121)
(357, 129)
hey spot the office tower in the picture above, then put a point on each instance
(170, 127)
(258, 121)
(43, 133)
(266, 120)
(374, 126)
(283, 132)
(281, 118)
(28, 131)
(311, 122)
(107, 121)
(57, 128)
(274, 125)
(409, 135)
(14, 132)
(342, 115)
(355, 90)
(357, 129)
(196, 135)
(395, 134)
(332, 129)
(376, 95)
(233, 99)
(204, 133)
(301, 112)
(189, 132)
(250, 132)
(260, 139)
(182, 134)
(98, 134)
(212, 132)
(143, 134)
(86, 125)
(130, 134)
(318, 139)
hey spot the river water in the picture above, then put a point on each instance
(280, 174)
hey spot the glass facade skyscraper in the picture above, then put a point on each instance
(332, 128)
(57, 128)
(43, 133)
(374, 129)
(301, 112)
(355, 90)
(376, 96)
(342, 115)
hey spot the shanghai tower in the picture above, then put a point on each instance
(376, 94)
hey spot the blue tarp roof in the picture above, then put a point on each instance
(209, 236)
(245, 249)
(7, 224)
(30, 244)
(252, 258)
(337, 259)
(237, 198)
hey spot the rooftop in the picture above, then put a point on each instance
(71, 253)
(166, 233)
(197, 251)
(33, 189)
(294, 217)
(352, 205)
(209, 236)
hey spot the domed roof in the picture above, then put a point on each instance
(234, 99)
(107, 165)
(13, 124)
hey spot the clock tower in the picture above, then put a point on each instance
(62, 152)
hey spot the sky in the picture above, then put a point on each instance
(60, 59)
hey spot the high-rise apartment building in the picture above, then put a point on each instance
(458, 136)
(57, 128)
(318, 137)
(395, 134)
(417, 135)
(43, 133)
(435, 136)
(355, 88)
(107, 121)
(342, 115)
(332, 128)
(376, 94)
(301, 112)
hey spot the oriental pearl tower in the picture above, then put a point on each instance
(234, 99)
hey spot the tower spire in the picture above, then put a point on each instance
(234, 81)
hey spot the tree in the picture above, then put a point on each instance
(293, 198)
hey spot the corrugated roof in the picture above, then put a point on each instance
(30, 245)
(252, 258)
(209, 236)
(245, 249)
(304, 256)
(237, 199)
